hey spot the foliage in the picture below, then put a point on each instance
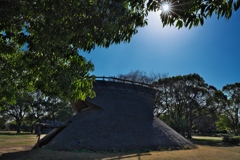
(188, 13)
(35, 107)
(2, 123)
(52, 74)
(182, 100)
(55, 31)
(231, 139)
(232, 108)
(57, 110)
(206, 124)
(13, 77)
(224, 123)
(186, 103)
(17, 111)
(141, 76)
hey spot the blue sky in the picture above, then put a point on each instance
(212, 51)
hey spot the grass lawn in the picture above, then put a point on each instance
(12, 142)
(14, 146)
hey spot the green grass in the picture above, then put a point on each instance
(210, 141)
(10, 138)
(14, 133)
(206, 140)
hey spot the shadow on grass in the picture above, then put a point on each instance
(14, 133)
(210, 142)
(45, 154)
(14, 155)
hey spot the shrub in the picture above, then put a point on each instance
(231, 139)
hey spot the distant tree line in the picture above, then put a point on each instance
(54, 32)
(31, 108)
(188, 104)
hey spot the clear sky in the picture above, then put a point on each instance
(211, 50)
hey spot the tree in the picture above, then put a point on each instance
(52, 74)
(188, 13)
(232, 110)
(224, 123)
(47, 108)
(206, 124)
(19, 110)
(2, 122)
(39, 105)
(13, 73)
(182, 100)
(58, 110)
(216, 102)
(168, 106)
(38, 109)
(55, 31)
(35, 107)
(141, 76)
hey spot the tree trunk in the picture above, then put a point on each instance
(19, 126)
(32, 128)
(189, 124)
(189, 131)
(237, 122)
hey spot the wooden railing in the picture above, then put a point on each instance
(114, 79)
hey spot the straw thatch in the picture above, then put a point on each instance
(124, 121)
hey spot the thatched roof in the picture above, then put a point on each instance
(124, 122)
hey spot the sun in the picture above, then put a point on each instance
(166, 7)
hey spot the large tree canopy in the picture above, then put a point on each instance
(181, 100)
(55, 31)
(232, 109)
(188, 13)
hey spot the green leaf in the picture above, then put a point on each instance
(201, 21)
(179, 24)
(196, 22)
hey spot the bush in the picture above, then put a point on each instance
(231, 139)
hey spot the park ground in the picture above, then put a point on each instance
(13, 146)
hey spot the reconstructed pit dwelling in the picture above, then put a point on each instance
(120, 118)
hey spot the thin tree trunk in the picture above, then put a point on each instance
(237, 123)
(189, 131)
(19, 126)
(189, 124)
(32, 128)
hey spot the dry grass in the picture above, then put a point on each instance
(22, 143)
(9, 139)
(12, 142)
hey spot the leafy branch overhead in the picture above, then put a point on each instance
(188, 13)
(55, 32)
(87, 24)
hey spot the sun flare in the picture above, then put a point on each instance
(166, 7)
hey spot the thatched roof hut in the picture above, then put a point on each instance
(124, 121)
